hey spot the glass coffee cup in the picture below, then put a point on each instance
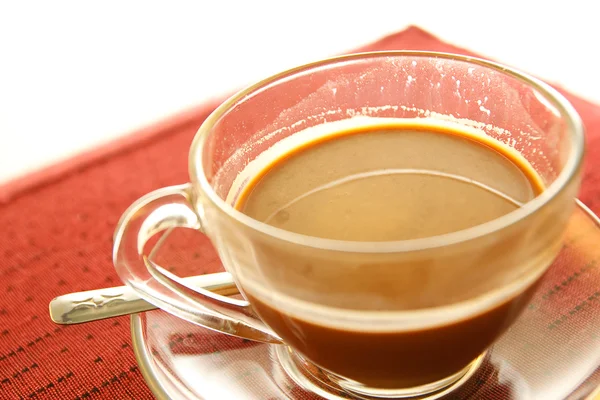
(322, 320)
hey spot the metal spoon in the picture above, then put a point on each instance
(93, 305)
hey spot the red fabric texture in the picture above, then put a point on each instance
(56, 238)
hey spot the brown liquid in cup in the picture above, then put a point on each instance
(397, 182)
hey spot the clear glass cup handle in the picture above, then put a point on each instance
(167, 208)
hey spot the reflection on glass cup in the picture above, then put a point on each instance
(448, 297)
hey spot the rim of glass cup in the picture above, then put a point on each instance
(573, 164)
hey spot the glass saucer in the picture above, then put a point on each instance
(552, 351)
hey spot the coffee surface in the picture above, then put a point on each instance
(387, 184)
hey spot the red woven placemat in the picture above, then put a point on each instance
(56, 237)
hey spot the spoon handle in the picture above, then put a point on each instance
(93, 305)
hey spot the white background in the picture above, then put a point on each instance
(74, 74)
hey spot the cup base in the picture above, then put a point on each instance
(332, 387)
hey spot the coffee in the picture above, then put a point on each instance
(387, 182)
